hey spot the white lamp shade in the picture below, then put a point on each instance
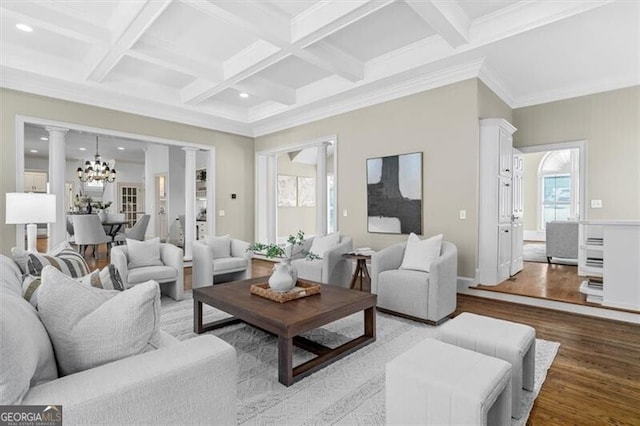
(28, 207)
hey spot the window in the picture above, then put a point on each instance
(558, 180)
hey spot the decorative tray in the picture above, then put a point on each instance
(302, 289)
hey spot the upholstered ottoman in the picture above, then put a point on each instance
(509, 341)
(437, 383)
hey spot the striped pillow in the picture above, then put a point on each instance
(108, 279)
(68, 261)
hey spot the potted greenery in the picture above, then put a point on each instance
(285, 275)
(102, 209)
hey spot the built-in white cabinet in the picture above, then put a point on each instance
(35, 182)
(496, 202)
(608, 261)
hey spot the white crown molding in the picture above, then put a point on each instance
(400, 85)
(494, 82)
(39, 85)
(575, 92)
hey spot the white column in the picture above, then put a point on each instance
(272, 196)
(321, 190)
(211, 192)
(189, 200)
(57, 169)
(149, 193)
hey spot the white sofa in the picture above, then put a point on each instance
(188, 382)
(332, 268)
(209, 267)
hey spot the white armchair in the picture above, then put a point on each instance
(220, 259)
(331, 268)
(428, 297)
(170, 275)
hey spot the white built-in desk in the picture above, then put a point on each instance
(617, 244)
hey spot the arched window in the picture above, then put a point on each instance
(558, 186)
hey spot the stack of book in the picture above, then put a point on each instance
(593, 241)
(594, 261)
(594, 283)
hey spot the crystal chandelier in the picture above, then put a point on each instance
(96, 171)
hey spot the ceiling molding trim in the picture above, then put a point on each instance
(397, 86)
(496, 83)
(26, 82)
(575, 92)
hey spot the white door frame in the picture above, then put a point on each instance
(22, 120)
(266, 212)
(581, 145)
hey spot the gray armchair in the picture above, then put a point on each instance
(170, 275)
(136, 232)
(88, 231)
(562, 240)
(428, 297)
(333, 268)
(209, 267)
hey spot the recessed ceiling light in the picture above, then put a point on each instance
(24, 27)
(33, 151)
(244, 95)
(82, 149)
(44, 138)
(121, 148)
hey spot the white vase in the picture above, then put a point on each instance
(103, 216)
(281, 279)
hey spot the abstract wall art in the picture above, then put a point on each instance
(394, 194)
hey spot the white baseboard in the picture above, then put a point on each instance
(464, 283)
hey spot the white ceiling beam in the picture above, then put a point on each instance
(55, 21)
(267, 89)
(326, 56)
(155, 51)
(446, 18)
(327, 17)
(248, 62)
(261, 21)
(138, 24)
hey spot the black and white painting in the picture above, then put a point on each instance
(394, 194)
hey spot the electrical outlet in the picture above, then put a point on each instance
(596, 204)
(221, 213)
(463, 214)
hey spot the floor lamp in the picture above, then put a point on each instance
(30, 208)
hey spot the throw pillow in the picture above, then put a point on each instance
(89, 326)
(221, 245)
(26, 354)
(419, 254)
(144, 253)
(67, 261)
(21, 256)
(108, 278)
(321, 244)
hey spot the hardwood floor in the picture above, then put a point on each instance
(595, 378)
(545, 281)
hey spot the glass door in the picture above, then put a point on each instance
(131, 201)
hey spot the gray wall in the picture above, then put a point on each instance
(443, 124)
(235, 154)
(610, 123)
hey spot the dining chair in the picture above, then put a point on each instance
(136, 232)
(88, 231)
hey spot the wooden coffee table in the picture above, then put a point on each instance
(289, 320)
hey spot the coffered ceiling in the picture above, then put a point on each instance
(253, 67)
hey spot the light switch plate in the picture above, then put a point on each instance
(463, 214)
(344, 212)
(221, 213)
(596, 204)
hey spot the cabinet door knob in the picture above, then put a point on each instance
(507, 184)
(506, 230)
(507, 170)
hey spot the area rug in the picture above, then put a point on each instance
(537, 252)
(349, 391)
